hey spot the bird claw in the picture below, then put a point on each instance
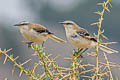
(81, 56)
(28, 43)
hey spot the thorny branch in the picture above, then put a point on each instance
(77, 69)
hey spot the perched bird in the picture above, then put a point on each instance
(80, 37)
(36, 33)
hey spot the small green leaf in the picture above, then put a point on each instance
(49, 66)
(34, 74)
(78, 78)
(4, 50)
(55, 64)
(66, 79)
(94, 34)
(19, 63)
(71, 66)
(75, 58)
(107, 6)
(53, 72)
(92, 74)
(44, 79)
(6, 79)
(100, 40)
(74, 51)
(38, 75)
(28, 71)
(42, 54)
(45, 60)
(98, 25)
(102, 31)
(11, 56)
(97, 52)
(78, 49)
(38, 47)
(104, 4)
(109, 0)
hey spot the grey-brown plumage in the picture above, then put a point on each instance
(81, 38)
(36, 33)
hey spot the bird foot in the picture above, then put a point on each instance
(28, 43)
(78, 53)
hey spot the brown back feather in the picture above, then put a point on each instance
(40, 28)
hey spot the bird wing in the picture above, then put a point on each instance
(84, 33)
(90, 38)
(41, 29)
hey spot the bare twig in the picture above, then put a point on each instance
(108, 66)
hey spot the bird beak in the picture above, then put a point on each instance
(17, 25)
(61, 22)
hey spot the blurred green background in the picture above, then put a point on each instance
(49, 13)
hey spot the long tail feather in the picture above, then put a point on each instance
(108, 50)
(53, 37)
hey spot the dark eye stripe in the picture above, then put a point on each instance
(69, 23)
(24, 24)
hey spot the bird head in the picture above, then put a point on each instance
(68, 24)
(23, 25)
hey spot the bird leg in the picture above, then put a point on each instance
(28, 43)
(43, 43)
(81, 51)
(77, 52)
(84, 50)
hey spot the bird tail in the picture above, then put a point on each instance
(53, 37)
(108, 50)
